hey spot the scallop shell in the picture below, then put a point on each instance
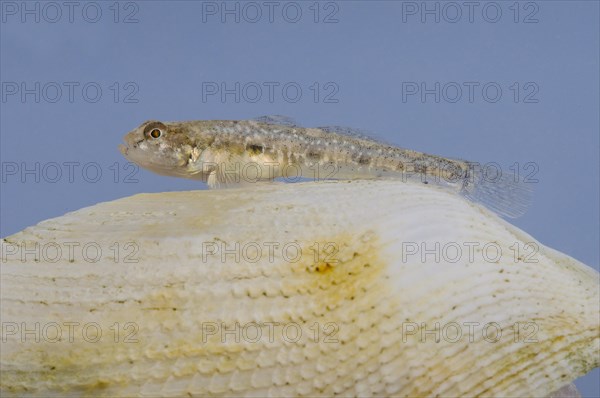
(360, 288)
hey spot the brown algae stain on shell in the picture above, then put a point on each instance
(322, 283)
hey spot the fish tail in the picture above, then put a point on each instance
(504, 193)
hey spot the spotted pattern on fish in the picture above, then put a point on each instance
(221, 153)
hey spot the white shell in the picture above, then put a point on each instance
(358, 296)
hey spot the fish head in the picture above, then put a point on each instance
(163, 148)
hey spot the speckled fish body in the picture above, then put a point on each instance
(230, 153)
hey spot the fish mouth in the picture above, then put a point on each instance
(134, 155)
(123, 149)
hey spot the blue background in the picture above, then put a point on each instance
(163, 57)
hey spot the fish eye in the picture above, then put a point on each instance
(154, 129)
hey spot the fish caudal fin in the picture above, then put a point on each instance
(504, 193)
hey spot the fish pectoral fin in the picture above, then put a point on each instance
(222, 179)
(234, 171)
(219, 179)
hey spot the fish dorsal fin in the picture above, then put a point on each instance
(279, 120)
